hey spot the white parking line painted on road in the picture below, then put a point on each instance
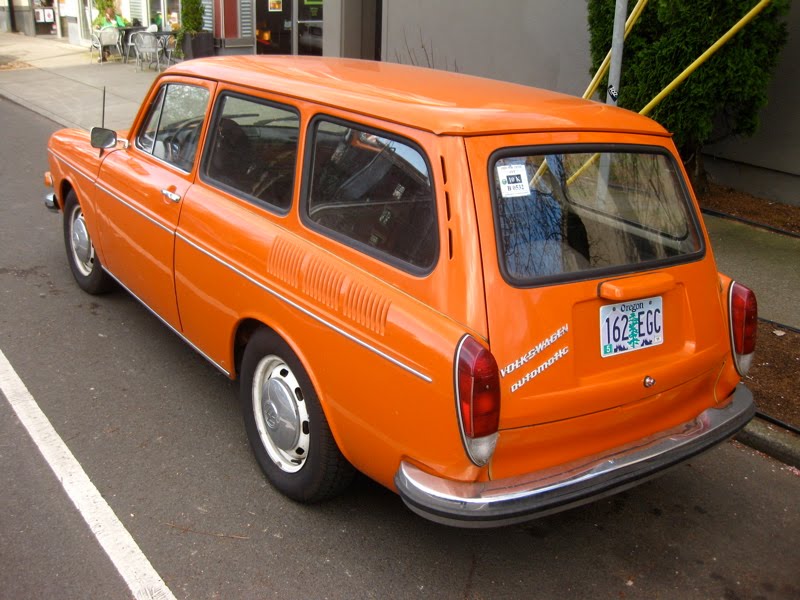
(142, 579)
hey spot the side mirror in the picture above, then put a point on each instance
(103, 138)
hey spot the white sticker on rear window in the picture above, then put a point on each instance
(513, 181)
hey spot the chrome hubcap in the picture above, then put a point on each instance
(82, 248)
(280, 414)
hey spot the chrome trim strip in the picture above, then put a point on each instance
(134, 209)
(101, 187)
(536, 494)
(305, 311)
(72, 166)
(175, 331)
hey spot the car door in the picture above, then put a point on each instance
(140, 191)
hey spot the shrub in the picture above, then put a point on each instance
(192, 16)
(721, 98)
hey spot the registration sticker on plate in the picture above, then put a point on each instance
(631, 325)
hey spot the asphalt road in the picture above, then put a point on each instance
(159, 433)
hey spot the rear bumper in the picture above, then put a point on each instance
(506, 501)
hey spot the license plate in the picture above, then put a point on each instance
(631, 325)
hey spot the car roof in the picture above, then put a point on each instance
(438, 101)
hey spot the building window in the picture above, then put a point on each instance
(165, 14)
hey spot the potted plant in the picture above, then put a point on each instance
(193, 41)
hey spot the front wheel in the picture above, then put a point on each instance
(285, 424)
(83, 262)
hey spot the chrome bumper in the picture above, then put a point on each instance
(506, 501)
(50, 201)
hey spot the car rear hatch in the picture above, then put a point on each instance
(599, 289)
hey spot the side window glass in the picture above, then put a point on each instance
(375, 191)
(252, 150)
(172, 128)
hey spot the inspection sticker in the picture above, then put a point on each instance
(513, 181)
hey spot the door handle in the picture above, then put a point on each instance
(171, 195)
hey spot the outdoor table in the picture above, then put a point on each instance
(163, 36)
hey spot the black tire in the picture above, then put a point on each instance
(83, 262)
(285, 424)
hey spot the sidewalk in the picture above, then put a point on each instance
(56, 80)
(61, 84)
(766, 262)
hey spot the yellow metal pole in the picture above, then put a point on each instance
(705, 56)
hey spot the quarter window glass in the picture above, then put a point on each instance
(375, 191)
(148, 135)
(172, 128)
(252, 149)
(565, 213)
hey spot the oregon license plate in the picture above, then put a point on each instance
(631, 325)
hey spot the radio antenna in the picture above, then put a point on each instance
(103, 114)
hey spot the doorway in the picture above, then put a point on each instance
(289, 27)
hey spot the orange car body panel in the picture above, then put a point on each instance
(378, 342)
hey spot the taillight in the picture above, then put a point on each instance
(478, 397)
(744, 325)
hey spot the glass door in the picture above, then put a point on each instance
(274, 26)
(309, 27)
(289, 27)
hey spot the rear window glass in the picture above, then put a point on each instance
(563, 215)
(373, 192)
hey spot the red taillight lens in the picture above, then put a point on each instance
(744, 324)
(478, 381)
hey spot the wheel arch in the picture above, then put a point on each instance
(64, 188)
(245, 329)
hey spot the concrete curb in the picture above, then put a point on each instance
(772, 440)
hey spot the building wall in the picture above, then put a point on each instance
(543, 43)
(768, 164)
(23, 16)
(5, 18)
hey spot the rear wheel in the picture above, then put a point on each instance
(285, 424)
(83, 261)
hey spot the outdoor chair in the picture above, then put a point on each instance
(127, 40)
(105, 39)
(131, 47)
(170, 43)
(147, 50)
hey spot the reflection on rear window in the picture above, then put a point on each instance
(571, 213)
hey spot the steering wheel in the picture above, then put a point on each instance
(181, 144)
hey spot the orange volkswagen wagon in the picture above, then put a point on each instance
(497, 301)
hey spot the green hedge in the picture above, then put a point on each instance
(724, 96)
